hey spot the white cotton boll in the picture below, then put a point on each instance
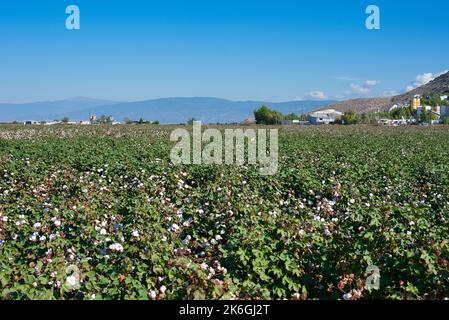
(163, 289)
(152, 294)
(37, 225)
(72, 282)
(116, 247)
(34, 236)
(57, 223)
(103, 231)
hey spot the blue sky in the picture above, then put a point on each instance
(236, 49)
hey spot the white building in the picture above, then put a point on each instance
(50, 123)
(30, 122)
(325, 116)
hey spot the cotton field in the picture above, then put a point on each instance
(101, 213)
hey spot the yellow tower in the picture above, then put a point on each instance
(416, 102)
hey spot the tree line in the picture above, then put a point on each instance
(267, 116)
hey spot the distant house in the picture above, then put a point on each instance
(436, 111)
(31, 122)
(50, 123)
(443, 98)
(324, 116)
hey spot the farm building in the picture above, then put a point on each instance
(30, 122)
(325, 116)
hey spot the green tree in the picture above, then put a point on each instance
(401, 112)
(264, 115)
(446, 120)
(427, 116)
(104, 119)
(350, 117)
(292, 116)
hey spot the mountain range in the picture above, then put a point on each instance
(208, 110)
(438, 86)
(166, 110)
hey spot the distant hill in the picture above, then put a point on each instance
(48, 110)
(167, 110)
(362, 105)
(439, 85)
